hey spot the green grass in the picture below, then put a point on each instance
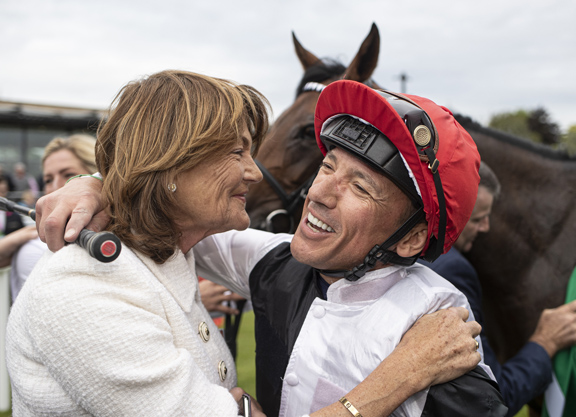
(245, 362)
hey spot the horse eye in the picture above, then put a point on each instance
(307, 132)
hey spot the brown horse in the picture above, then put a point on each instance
(524, 262)
(289, 157)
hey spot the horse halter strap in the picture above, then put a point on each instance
(313, 86)
(289, 201)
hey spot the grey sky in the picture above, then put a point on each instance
(477, 58)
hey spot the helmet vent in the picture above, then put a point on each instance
(422, 135)
(355, 132)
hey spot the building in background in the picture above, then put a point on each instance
(26, 128)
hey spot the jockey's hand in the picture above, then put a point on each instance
(61, 215)
(556, 329)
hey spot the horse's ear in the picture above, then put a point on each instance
(307, 59)
(366, 59)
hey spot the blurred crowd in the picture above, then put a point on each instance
(20, 247)
(19, 186)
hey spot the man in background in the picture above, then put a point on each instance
(526, 375)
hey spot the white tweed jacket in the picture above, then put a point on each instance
(126, 338)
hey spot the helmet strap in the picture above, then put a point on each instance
(436, 246)
(380, 253)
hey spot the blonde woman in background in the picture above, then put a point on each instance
(64, 157)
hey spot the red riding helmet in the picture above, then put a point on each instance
(418, 145)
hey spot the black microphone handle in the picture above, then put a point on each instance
(103, 246)
(7, 205)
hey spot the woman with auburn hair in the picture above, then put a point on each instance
(132, 337)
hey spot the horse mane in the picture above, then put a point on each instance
(321, 71)
(542, 150)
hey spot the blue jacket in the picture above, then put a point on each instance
(524, 376)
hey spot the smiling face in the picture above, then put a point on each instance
(479, 220)
(349, 209)
(59, 167)
(211, 196)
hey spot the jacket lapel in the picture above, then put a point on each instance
(178, 275)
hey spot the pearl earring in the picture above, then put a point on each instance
(172, 187)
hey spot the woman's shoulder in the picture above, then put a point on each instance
(72, 271)
(74, 260)
(70, 282)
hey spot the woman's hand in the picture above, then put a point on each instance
(438, 348)
(442, 345)
(237, 393)
(62, 214)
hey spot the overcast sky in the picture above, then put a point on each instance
(475, 57)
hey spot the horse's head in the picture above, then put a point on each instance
(289, 157)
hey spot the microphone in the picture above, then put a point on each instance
(103, 246)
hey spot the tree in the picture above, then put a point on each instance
(540, 123)
(568, 141)
(515, 123)
(535, 125)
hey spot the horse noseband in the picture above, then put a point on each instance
(281, 220)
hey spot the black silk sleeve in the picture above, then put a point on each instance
(472, 395)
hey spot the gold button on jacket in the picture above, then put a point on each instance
(222, 370)
(204, 332)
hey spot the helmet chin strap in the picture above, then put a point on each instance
(380, 253)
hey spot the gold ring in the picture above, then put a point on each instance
(477, 344)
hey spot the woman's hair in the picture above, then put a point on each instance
(157, 127)
(81, 145)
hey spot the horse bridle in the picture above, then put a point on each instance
(290, 202)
